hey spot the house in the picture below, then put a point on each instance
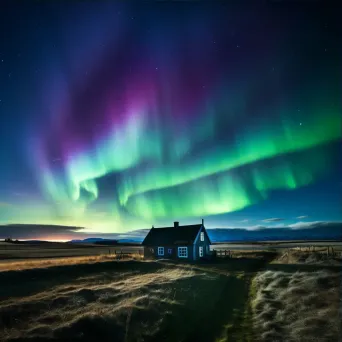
(189, 242)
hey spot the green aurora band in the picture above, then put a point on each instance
(233, 190)
(250, 148)
(197, 186)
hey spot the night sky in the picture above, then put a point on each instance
(120, 116)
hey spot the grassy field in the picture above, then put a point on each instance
(10, 251)
(18, 265)
(254, 296)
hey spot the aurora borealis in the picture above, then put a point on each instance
(119, 116)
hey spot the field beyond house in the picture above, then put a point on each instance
(254, 296)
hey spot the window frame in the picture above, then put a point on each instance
(169, 251)
(159, 251)
(202, 236)
(200, 251)
(180, 255)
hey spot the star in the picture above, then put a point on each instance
(300, 124)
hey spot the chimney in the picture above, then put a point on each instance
(176, 224)
(202, 222)
(152, 226)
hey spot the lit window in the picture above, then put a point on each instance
(182, 252)
(201, 251)
(202, 236)
(169, 250)
(160, 250)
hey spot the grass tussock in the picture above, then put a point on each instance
(300, 306)
(43, 263)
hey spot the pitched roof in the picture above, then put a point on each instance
(181, 235)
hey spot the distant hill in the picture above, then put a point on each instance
(89, 240)
(332, 232)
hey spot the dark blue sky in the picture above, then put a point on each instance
(119, 116)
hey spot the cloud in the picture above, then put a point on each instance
(245, 220)
(32, 231)
(274, 219)
(315, 224)
(302, 217)
(257, 227)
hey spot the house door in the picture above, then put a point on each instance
(200, 249)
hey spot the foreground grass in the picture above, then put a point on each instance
(247, 298)
(123, 301)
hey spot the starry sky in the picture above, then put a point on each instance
(120, 116)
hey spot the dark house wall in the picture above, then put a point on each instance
(205, 244)
(174, 252)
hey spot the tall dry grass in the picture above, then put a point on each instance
(92, 308)
(297, 307)
(305, 256)
(121, 301)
